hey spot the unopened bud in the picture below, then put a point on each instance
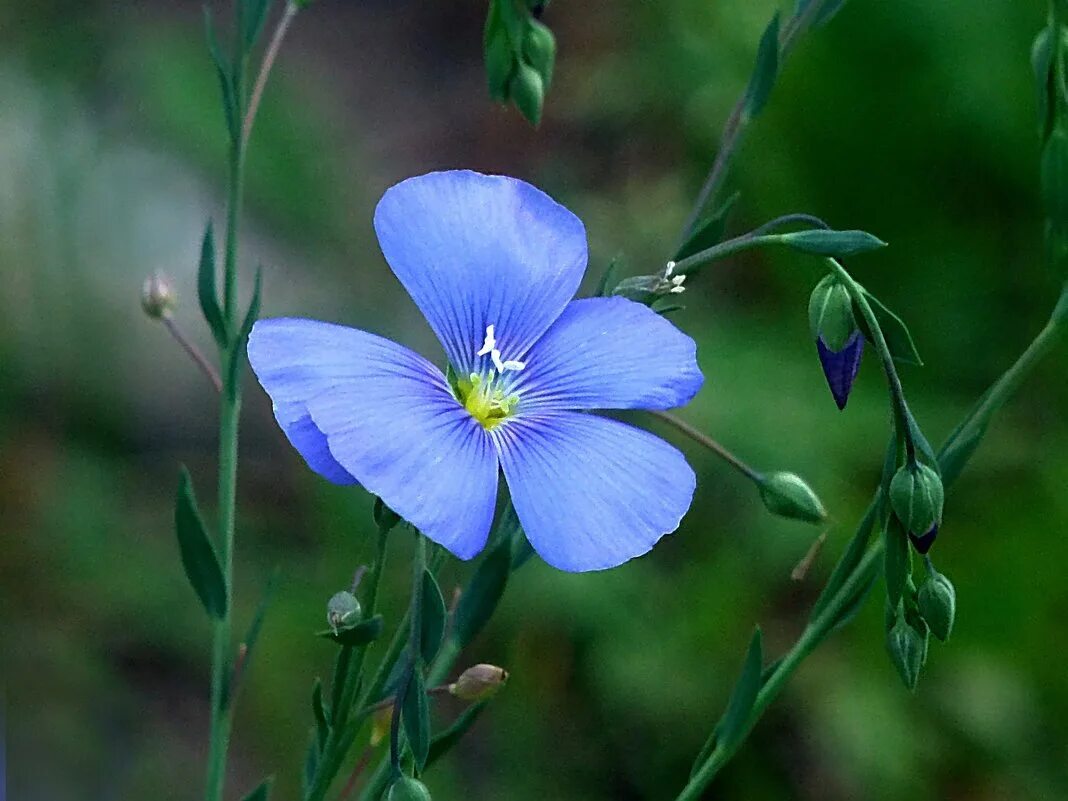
(408, 789)
(937, 601)
(787, 495)
(479, 682)
(539, 49)
(839, 343)
(906, 647)
(342, 611)
(158, 296)
(916, 496)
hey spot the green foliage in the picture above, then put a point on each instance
(206, 293)
(520, 53)
(364, 632)
(199, 559)
(415, 713)
(898, 338)
(898, 562)
(433, 617)
(766, 70)
(483, 592)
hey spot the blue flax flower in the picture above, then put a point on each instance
(493, 264)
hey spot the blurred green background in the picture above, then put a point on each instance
(911, 119)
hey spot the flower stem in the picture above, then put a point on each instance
(201, 361)
(706, 441)
(269, 57)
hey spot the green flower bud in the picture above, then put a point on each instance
(479, 682)
(539, 49)
(907, 649)
(937, 601)
(528, 92)
(787, 495)
(385, 518)
(916, 496)
(158, 297)
(342, 611)
(830, 313)
(408, 789)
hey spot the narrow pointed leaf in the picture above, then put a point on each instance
(251, 638)
(733, 724)
(836, 244)
(198, 553)
(432, 617)
(765, 71)
(261, 793)
(254, 15)
(206, 294)
(441, 743)
(898, 338)
(237, 351)
(311, 765)
(362, 633)
(415, 714)
(922, 443)
(897, 561)
(608, 279)
(957, 453)
(708, 232)
(226, 83)
(483, 592)
(851, 609)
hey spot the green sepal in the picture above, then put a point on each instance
(708, 232)
(209, 302)
(527, 90)
(415, 714)
(322, 725)
(539, 49)
(834, 244)
(897, 562)
(253, 15)
(908, 649)
(432, 617)
(362, 633)
(199, 558)
(407, 788)
(732, 727)
(226, 83)
(498, 53)
(237, 349)
(787, 495)
(937, 603)
(765, 71)
(830, 313)
(261, 793)
(898, 338)
(917, 497)
(483, 593)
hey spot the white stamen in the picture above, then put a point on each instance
(489, 344)
(513, 364)
(669, 269)
(678, 280)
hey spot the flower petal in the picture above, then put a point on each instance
(609, 353)
(310, 442)
(591, 492)
(389, 421)
(477, 250)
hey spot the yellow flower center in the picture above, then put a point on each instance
(485, 402)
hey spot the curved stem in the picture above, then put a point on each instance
(706, 441)
(201, 361)
(269, 57)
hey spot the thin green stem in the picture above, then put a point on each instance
(269, 57)
(706, 441)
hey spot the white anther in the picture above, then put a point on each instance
(513, 364)
(489, 344)
(678, 280)
(677, 290)
(669, 269)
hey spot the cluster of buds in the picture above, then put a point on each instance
(917, 497)
(839, 342)
(520, 52)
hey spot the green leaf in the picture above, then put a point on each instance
(499, 53)
(826, 14)
(898, 561)
(209, 303)
(708, 232)
(237, 350)
(261, 793)
(539, 49)
(441, 743)
(849, 560)
(608, 279)
(198, 553)
(322, 727)
(226, 82)
(732, 726)
(957, 452)
(415, 714)
(1041, 61)
(254, 15)
(362, 633)
(835, 244)
(432, 617)
(854, 605)
(765, 71)
(311, 766)
(252, 635)
(483, 593)
(921, 441)
(898, 338)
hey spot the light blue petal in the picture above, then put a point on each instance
(477, 250)
(609, 353)
(591, 492)
(389, 421)
(310, 442)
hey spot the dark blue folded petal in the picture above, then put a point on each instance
(840, 366)
(310, 442)
(591, 492)
(923, 542)
(389, 421)
(609, 353)
(477, 250)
